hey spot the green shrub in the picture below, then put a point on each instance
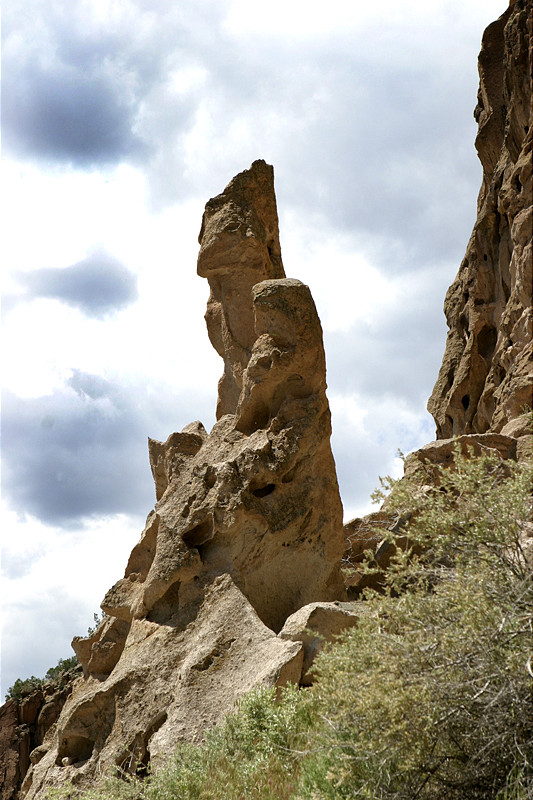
(431, 696)
(63, 665)
(23, 687)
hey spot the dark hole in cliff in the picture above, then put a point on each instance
(518, 185)
(450, 377)
(210, 477)
(137, 760)
(264, 491)
(76, 749)
(465, 400)
(485, 257)
(199, 534)
(486, 341)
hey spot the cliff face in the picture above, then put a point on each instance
(486, 376)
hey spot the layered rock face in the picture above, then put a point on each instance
(247, 528)
(486, 377)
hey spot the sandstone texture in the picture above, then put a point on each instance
(487, 371)
(246, 530)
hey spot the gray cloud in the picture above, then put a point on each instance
(98, 285)
(63, 114)
(81, 452)
(330, 114)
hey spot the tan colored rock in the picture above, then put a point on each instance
(24, 724)
(239, 247)
(247, 527)
(170, 684)
(12, 751)
(99, 653)
(486, 377)
(422, 465)
(314, 625)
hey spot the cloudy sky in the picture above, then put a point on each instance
(120, 119)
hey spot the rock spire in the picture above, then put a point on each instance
(246, 530)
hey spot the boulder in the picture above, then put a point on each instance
(314, 625)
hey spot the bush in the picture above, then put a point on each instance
(63, 665)
(253, 754)
(23, 687)
(431, 695)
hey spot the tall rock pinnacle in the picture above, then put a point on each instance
(486, 377)
(246, 530)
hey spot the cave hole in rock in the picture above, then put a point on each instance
(210, 477)
(264, 491)
(76, 749)
(450, 376)
(485, 257)
(465, 400)
(137, 760)
(166, 606)
(199, 534)
(518, 185)
(486, 341)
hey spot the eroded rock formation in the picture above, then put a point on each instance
(24, 723)
(485, 384)
(246, 530)
(487, 372)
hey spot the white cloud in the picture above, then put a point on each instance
(365, 112)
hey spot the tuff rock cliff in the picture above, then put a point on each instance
(485, 380)
(247, 528)
(484, 389)
(239, 564)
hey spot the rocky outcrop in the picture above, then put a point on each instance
(314, 625)
(485, 384)
(246, 530)
(486, 376)
(25, 721)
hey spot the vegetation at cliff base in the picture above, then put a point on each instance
(430, 697)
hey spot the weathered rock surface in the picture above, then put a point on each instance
(314, 625)
(24, 724)
(170, 684)
(246, 530)
(239, 247)
(486, 376)
(422, 465)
